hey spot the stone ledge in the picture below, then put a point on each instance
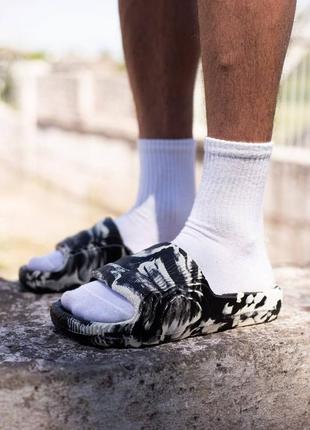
(247, 378)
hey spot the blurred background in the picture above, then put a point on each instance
(68, 130)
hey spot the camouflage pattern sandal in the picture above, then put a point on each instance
(83, 252)
(172, 301)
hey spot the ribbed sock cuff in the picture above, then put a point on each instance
(231, 149)
(166, 145)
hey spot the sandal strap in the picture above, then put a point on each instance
(103, 233)
(170, 294)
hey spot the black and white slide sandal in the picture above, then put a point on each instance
(172, 301)
(84, 252)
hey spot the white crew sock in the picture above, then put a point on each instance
(166, 193)
(48, 263)
(165, 198)
(224, 233)
(96, 301)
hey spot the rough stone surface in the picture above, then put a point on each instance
(248, 378)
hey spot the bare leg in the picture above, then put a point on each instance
(243, 44)
(161, 46)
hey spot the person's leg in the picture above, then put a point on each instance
(243, 45)
(161, 46)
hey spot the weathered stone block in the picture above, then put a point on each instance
(248, 378)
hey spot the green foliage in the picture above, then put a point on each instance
(7, 89)
(35, 55)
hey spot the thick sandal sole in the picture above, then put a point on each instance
(87, 333)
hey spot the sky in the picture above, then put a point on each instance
(87, 27)
(59, 26)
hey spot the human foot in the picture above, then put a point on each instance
(92, 297)
(224, 233)
(77, 257)
(171, 300)
(165, 197)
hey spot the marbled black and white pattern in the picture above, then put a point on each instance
(172, 301)
(84, 252)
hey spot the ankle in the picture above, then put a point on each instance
(224, 233)
(166, 192)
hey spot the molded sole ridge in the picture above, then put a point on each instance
(93, 333)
